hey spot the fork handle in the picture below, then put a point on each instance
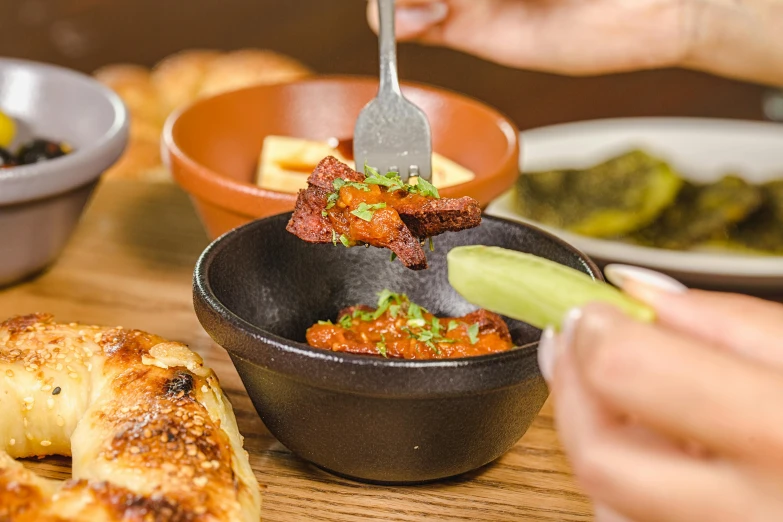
(390, 84)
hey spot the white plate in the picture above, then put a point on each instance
(701, 150)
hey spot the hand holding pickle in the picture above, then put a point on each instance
(667, 420)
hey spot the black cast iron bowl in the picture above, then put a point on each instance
(258, 288)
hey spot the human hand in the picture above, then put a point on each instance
(581, 37)
(565, 36)
(675, 421)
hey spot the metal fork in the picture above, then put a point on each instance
(391, 133)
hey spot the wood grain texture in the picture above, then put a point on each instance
(130, 263)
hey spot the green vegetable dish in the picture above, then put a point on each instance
(640, 199)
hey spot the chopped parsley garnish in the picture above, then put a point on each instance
(346, 321)
(381, 346)
(425, 188)
(365, 211)
(473, 331)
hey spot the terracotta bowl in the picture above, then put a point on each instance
(212, 147)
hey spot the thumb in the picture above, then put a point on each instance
(412, 17)
(748, 326)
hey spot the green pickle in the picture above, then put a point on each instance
(530, 288)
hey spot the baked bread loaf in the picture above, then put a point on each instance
(152, 94)
(151, 434)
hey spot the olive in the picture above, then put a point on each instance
(7, 160)
(41, 150)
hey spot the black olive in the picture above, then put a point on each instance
(40, 150)
(7, 160)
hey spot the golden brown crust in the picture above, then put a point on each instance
(177, 80)
(151, 433)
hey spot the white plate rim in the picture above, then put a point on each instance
(698, 263)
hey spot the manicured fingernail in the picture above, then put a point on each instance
(570, 323)
(417, 17)
(547, 353)
(624, 276)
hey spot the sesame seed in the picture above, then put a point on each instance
(28, 400)
(73, 375)
(50, 403)
(204, 388)
(12, 442)
(206, 464)
(59, 367)
(24, 421)
(9, 373)
(46, 387)
(135, 450)
(60, 421)
(29, 435)
(46, 443)
(89, 367)
(57, 391)
(125, 410)
(68, 367)
(200, 481)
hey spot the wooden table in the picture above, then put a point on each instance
(130, 263)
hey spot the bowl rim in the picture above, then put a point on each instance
(101, 153)
(205, 182)
(208, 304)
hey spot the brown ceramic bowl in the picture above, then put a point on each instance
(212, 146)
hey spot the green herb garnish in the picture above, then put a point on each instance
(369, 171)
(334, 237)
(345, 241)
(452, 325)
(365, 211)
(325, 322)
(473, 331)
(425, 188)
(346, 321)
(381, 346)
(393, 256)
(435, 326)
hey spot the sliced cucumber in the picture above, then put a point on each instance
(530, 288)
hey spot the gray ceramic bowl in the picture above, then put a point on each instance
(40, 204)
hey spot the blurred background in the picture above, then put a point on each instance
(331, 36)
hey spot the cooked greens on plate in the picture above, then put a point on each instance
(638, 198)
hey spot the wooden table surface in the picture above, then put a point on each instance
(130, 263)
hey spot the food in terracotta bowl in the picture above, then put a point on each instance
(59, 132)
(245, 154)
(368, 368)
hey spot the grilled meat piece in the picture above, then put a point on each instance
(339, 206)
(440, 215)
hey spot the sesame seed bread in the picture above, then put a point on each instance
(150, 431)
